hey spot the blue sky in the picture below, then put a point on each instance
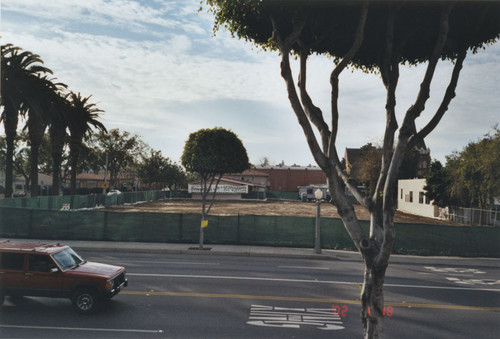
(156, 70)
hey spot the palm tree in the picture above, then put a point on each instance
(18, 72)
(45, 95)
(83, 117)
(59, 121)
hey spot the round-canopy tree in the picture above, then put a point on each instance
(211, 153)
(373, 36)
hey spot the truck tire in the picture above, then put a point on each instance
(85, 300)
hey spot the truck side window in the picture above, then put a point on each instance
(39, 263)
(12, 261)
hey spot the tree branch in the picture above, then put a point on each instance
(215, 192)
(390, 75)
(449, 95)
(313, 112)
(403, 144)
(334, 81)
(286, 73)
(334, 77)
(424, 93)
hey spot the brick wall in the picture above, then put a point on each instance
(288, 179)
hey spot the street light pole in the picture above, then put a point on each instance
(317, 242)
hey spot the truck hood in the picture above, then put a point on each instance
(97, 269)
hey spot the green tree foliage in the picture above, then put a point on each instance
(120, 151)
(211, 153)
(438, 185)
(366, 168)
(474, 173)
(374, 36)
(159, 172)
(471, 178)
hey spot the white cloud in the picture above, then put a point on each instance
(176, 78)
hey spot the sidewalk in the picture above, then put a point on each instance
(244, 250)
(208, 249)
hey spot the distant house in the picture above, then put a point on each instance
(95, 180)
(251, 176)
(19, 185)
(412, 199)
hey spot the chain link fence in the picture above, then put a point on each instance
(474, 216)
(77, 202)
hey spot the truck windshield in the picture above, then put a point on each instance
(67, 259)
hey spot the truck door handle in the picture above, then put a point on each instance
(28, 274)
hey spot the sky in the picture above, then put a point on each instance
(157, 70)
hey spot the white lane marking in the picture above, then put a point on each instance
(454, 270)
(303, 281)
(81, 329)
(474, 281)
(270, 316)
(171, 262)
(306, 267)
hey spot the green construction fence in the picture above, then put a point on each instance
(98, 225)
(76, 202)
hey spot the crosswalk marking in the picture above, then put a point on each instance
(271, 316)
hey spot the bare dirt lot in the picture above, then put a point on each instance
(284, 208)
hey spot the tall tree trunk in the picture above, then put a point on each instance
(75, 153)
(36, 129)
(372, 301)
(34, 170)
(9, 167)
(57, 133)
(10, 124)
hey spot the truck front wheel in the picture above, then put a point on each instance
(85, 300)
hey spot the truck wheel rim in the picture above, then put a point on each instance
(85, 302)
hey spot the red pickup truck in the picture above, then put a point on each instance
(55, 270)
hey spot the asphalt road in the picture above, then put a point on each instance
(209, 296)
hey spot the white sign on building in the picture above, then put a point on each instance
(226, 189)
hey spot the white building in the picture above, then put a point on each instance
(412, 199)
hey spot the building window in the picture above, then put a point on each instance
(401, 194)
(427, 200)
(421, 197)
(411, 196)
